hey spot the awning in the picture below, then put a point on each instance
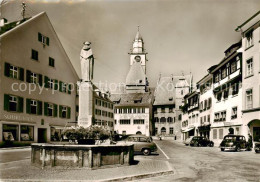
(188, 129)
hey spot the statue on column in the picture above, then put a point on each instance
(87, 62)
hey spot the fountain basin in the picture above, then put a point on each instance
(90, 156)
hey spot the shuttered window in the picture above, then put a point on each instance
(14, 72)
(64, 112)
(215, 134)
(33, 107)
(13, 103)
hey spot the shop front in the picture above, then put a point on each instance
(254, 127)
(204, 130)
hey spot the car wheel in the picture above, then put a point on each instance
(238, 149)
(222, 149)
(211, 144)
(146, 151)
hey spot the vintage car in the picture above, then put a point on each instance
(235, 143)
(141, 143)
(257, 147)
(199, 141)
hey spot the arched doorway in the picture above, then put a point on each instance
(163, 130)
(139, 133)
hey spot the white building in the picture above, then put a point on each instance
(206, 115)
(190, 119)
(32, 57)
(250, 31)
(227, 89)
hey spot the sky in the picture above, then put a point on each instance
(180, 36)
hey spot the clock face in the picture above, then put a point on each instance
(137, 58)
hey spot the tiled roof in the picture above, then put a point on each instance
(136, 75)
(165, 90)
(133, 99)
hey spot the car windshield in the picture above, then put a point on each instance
(138, 139)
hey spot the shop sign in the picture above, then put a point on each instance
(16, 117)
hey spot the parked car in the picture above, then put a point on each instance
(234, 142)
(141, 143)
(199, 141)
(257, 147)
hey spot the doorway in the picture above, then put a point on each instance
(42, 135)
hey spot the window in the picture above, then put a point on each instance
(223, 116)
(33, 77)
(124, 110)
(163, 120)
(143, 110)
(220, 133)
(10, 132)
(26, 133)
(50, 109)
(124, 121)
(234, 113)
(235, 89)
(129, 110)
(156, 120)
(179, 117)
(51, 83)
(156, 131)
(14, 72)
(249, 99)
(209, 118)
(138, 121)
(233, 66)
(34, 55)
(162, 110)
(219, 96)
(225, 96)
(249, 67)
(51, 62)
(205, 104)
(169, 119)
(43, 39)
(224, 73)
(171, 131)
(209, 103)
(13, 103)
(216, 117)
(64, 112)
(115, 121)
(215, 134)
(249, 39)
(33, 106)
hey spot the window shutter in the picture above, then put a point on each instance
(47, 41)
(28, 106)
(60, 85)
(28, 76)
(20, 104)
(40, 79)
(39, 37)
(55, 110)
(39, 107)
(56, 85)
(45, 108)
(60, 113)
(46, 82)
(69, 89)
(68, 114)
(7, 69)
(21, 74)
(6, 102)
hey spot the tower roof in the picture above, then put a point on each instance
(138, 36)
(136, 75)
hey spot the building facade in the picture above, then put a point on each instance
(37, 98)
(227, 90)
(168, 97)
(250, 32)
(190, 119)
(206, 115)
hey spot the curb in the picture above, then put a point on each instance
(141, 176)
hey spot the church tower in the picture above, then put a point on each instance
(136, 81)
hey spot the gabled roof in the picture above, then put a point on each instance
(133, 99)
(166, 89)
(36, 18)
(136, 75)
